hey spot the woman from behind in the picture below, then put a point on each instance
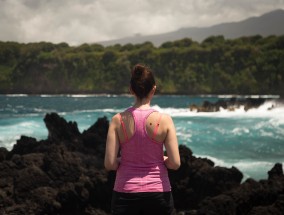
(140, 134)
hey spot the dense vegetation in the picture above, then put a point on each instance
(247, 65)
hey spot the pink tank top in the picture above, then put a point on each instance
(142, 167)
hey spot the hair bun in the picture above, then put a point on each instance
(142, 81)
(138, 70)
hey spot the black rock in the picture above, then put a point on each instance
(64, 174)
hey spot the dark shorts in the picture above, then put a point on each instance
(142, 203)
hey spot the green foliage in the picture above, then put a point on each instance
(246, 65)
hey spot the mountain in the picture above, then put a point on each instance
(268, 24)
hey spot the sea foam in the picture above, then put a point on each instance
(270, 109)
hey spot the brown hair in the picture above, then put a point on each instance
(142, 80)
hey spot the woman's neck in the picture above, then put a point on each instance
(142, 103)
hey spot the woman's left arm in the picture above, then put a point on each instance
(111, 161)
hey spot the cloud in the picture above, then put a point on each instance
(88, 21)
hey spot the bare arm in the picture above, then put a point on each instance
(172, 160)
(111, 161)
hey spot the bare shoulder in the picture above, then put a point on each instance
(116, 116)
(166, 118)
(167, 122)
(116, 119)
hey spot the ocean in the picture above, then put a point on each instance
(252, 141)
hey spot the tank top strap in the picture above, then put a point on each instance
(157, 127)
(123, 128)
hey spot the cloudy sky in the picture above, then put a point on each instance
(89, 21)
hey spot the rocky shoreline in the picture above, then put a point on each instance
(64, 174)
(230, 104)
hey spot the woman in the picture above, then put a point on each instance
(142, 184)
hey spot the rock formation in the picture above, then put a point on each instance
(229, 104)
(64, 174)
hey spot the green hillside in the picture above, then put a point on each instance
(247, 65)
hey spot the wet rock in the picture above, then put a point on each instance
(228, 104)
(276, 172)
(59, 175)
(59, 129)
(3, 153)
(251, 197)
(198, 178)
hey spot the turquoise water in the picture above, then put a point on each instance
(252, 141)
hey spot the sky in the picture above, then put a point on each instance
(88, 21)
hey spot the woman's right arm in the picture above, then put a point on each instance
(172, 160)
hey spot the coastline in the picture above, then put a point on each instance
(276, 96)
(64, 174)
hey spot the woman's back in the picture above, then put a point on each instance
(142, 166)
(139, 144)
(156, 126)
